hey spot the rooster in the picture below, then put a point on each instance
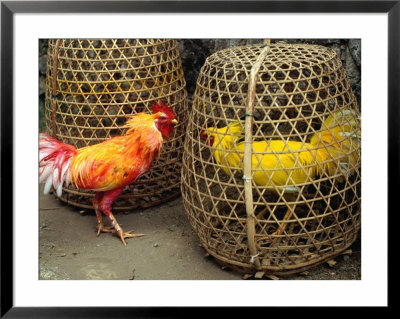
(107, 167)
(340, 134)
(284, 165)
(222, 140)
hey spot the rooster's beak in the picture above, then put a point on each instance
(174, 121)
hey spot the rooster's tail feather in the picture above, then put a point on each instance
(54, 162)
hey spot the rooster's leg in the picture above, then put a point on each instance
(282, 226)
(96, 205)
(105, 205)
(118, 229)
(290, 198)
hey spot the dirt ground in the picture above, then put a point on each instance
(170, 250)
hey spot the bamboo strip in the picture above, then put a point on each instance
(54, 87)
(248, 153)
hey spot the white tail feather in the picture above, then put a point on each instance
(48, 184)
(67, 179)
(45, 172)
(54, 161)
(59, 190)
(55, 178)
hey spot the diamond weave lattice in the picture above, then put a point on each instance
(305, 130)
(99, 83)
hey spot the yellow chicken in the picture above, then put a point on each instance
(285, 165)
(222, 141)
(274, 162)
(340, 134)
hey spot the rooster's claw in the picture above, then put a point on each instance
(104, 229)
(128, 234)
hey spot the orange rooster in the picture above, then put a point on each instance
(107, 167)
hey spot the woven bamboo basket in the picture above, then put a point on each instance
(94, 85)
(276, 92)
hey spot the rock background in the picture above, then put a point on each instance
(195, 51)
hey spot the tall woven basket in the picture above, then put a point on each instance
(93, 86)
(276, 92)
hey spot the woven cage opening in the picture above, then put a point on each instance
(93, 86)
(306, 198)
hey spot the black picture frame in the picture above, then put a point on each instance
(9, 8)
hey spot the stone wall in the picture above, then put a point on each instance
(195, 51)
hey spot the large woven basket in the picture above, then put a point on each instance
(284, 92)
(94, 85)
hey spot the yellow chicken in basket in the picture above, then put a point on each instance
(284, 165)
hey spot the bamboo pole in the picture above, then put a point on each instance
(247, 158)
(54, 87)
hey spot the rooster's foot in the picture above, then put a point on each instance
(128, 234)
(103, 229)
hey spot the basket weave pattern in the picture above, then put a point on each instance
(295, 88)
(93, 86)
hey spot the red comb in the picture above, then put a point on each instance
(161, 107)
(203, 134)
